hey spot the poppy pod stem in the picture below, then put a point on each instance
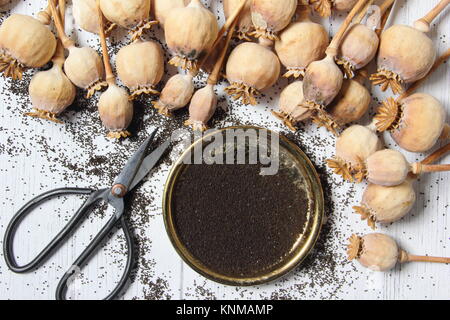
(51, 92)
(204, 102)
(363, 12)
(385, 11)
(362, 76)
(378, 18)
(215, 74)
(386, 5)
(232, 19)
(83, 66)
(406, 257)
(62, 11)
(59, 56)
(424, 23)
(66, 41)
(436, 155)
(225, 28)
(110, 78)
(45, 16)
(419, 168)
(114, 106)
(332, 50)
(446, 132)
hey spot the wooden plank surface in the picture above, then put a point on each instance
(37, 156)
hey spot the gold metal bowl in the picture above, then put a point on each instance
(303, 245)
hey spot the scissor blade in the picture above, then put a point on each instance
(149, 163)
(133, 165)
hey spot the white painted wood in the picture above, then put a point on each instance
(29, 168)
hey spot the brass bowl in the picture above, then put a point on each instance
(301, 248)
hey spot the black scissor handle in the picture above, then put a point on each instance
(26, 209)
(93, 246)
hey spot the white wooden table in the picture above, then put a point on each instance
(37, 156)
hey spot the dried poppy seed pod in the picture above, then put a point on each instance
(301, 43)
(271, 16)
(350, 105)
(140, 66)
(190, 33)
(421, 124)
(24, 43)
(162, 8)
(360, 44)
(51, 92)
(380, 252)
(390, 168)
(358, 48)
(375, 251)
(202, 108)
(389, 204)
(114, 106)
(356, 144)
(133, 15)
(353, 147)
(406, 53)
(245, 25)
(204, 102)
(83, 66)
(176, 94)
(324, 7)
(251, 68)
(416, 123)
(322, 82)
(82, 13)
(323, 79)
(116, 111)
(387, 168)
(386, 204)
(291, 112)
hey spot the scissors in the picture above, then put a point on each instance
(133, 173)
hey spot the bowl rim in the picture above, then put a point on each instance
(301, 251)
